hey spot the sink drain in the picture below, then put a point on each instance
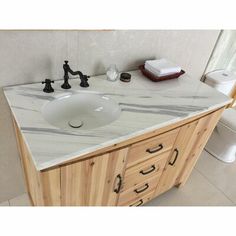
(75, 123)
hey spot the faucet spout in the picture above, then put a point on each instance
(67, 70)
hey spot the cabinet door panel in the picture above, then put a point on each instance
(174, 166)
(92, 182)
(190, 142)
(205, 128)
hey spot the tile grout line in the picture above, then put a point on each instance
(8, 200)
(215, 186)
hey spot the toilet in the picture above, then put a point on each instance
(222, 143)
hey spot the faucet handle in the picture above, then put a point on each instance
(84, 81)
(48, 87)
(47, 81)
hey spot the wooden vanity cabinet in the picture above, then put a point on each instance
(127, 174)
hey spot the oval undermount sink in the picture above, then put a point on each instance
(81, 111)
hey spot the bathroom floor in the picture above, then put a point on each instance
(212, 183)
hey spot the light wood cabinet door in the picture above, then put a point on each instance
(93, 182)
(197, 143)
(188, 146)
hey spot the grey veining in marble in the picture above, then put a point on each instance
(145, 106)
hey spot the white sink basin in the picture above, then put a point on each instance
(81, 111)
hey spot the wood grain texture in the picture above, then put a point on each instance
(190, 142)
(138, 191)
(152, 167)
(92, 182)
(138, 152)
(141, 201)
(43, 187)
(170, 172)
(32, 177)
(51, 183)
(199, 139)
(233, 95)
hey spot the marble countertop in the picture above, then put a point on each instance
(145, 106)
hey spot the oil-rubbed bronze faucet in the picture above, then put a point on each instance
(48, 87)
(67, 70)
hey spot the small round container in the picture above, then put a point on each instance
(125, 77)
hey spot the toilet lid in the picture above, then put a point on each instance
(229, 118)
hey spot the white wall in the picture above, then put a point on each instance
(30, 56)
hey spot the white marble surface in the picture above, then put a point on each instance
(145, 106)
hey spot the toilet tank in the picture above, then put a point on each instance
(221, 80)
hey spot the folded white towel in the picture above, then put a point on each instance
(155, 72)
(162, 67)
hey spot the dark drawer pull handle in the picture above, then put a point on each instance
(176, 156)
(140, 202)
(153, 167)
(117, 190)
(146, 186)
(156, 149)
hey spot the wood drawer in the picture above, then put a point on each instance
(135, 193)
(145, 170)
(142, 200)
(146, 149)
